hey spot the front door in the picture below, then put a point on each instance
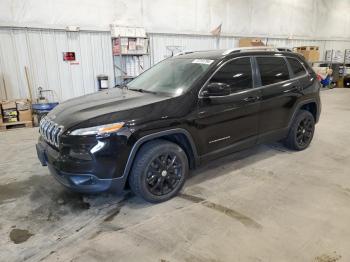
(229, 119)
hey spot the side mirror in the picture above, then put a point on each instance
(216, 89)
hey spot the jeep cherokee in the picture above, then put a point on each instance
(183, 111)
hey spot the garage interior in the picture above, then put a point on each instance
(266, 203)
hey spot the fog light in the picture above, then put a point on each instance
(82, 180)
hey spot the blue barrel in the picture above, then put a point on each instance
(44, 106)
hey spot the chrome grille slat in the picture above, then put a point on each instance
(45, 129)
(42, 123)
(50, 131)
(53, 134)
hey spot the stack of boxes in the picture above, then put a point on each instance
(9, 111)
(250, 42)
(311, 53)
(335, 56)
(347, 56)
(15, 111)
(130, 45)
(24, 110)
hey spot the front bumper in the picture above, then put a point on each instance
(76, 181)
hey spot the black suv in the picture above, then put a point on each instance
(183, 111)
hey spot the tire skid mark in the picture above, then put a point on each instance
(110, 216)
(243, 219)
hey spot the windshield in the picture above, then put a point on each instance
(173, 76)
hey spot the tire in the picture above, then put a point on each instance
(159, 171)
(301, 131)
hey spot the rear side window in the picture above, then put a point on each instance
(297, 67)
(272, 70)
(237, 74)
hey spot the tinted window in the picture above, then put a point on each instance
(237, 74)
(171, 76)
(297, 67)
(272, 70)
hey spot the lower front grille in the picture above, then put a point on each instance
(50, 131)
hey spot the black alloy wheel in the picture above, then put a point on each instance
(159, 171)
(163, 174)
(301, 131)
(305, 131)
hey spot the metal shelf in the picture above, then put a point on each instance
(131, 54)
(121, 68)
(144, 37)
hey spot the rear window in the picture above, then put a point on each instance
(297, 67)
(272, 70)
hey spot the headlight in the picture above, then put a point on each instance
(98, 130)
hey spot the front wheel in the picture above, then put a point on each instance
(159, 171)
(301, 131)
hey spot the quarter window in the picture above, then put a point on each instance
(297, 67)
(237, 74)
(272, 70)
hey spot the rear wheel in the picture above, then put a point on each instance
(159, 171)
(301, 131)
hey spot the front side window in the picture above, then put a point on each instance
(272, 70)
(237, 74)
(172, 76)
(297, 67)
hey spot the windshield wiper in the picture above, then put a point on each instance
(142, 90)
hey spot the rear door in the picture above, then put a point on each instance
(280, 91)
(224, 121)
(299, 72)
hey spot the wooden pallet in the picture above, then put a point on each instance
(19, 124)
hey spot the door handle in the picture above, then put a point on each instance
(251, 99)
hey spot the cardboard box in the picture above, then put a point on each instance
(311, 53)
(8, 105)
(250, 42)
(25, 115)
(9, 113)
(22, 104)
(11, 119)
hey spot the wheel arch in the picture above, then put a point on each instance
(178, 136)
(309, 105)
(312, 108)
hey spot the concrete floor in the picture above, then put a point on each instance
(264, 204)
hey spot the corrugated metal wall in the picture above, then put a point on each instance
(161, 43)
(42, 52)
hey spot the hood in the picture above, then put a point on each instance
(102, 107)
